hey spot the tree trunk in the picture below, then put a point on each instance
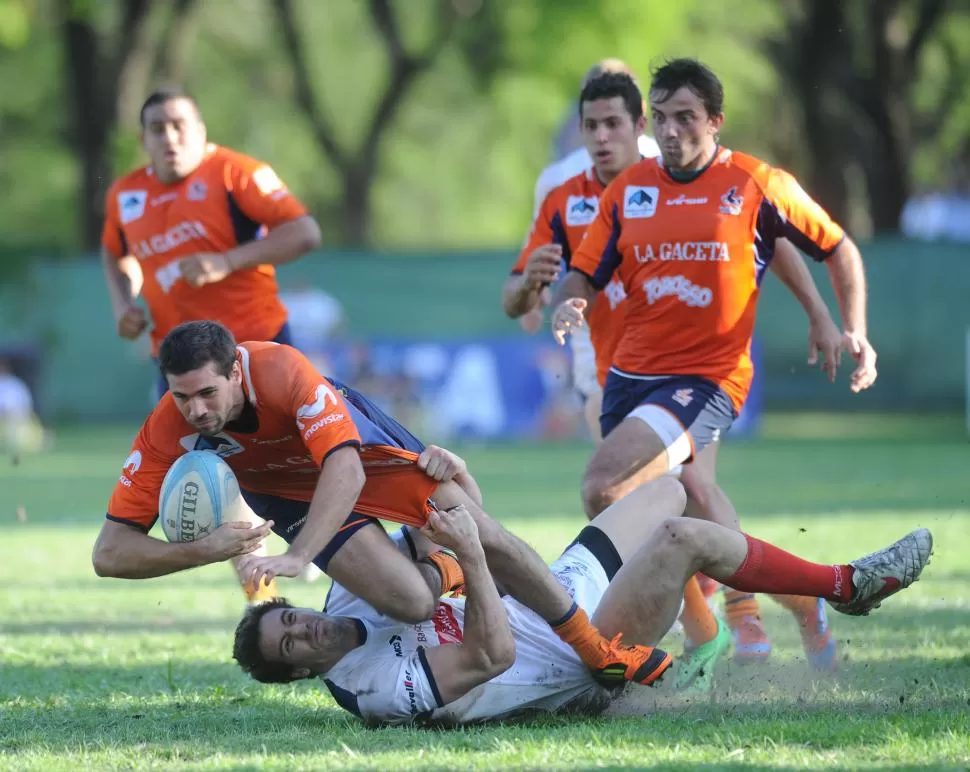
(92, 115)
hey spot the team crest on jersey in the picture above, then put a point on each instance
(640, 202)
(131, 205)
(581, 210)
(221, 444)
(197, 191)
(731, 202)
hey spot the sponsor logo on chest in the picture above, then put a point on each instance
(176, 236)
(695, 251)
(581, 210)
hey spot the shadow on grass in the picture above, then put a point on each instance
(211, 707)
(161, 625)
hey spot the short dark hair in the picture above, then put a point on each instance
(167, 94)
(676, 74)
(193, 345)
(614, 84)
(246, 651)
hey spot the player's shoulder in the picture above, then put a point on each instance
(165, 427)
(581, 185)
(223, 156)
(270, 370)
(140, 176)
(758, 170)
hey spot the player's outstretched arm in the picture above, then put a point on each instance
(125, 552)
(488, 648)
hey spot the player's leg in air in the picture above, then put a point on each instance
(525, 576)
(643, 599)
(707, 501)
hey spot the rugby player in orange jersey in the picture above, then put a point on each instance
(610, 108)
(198, 231)
(319, 463)
(691, 236)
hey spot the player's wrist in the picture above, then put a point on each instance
(471, 556)
(233, 262)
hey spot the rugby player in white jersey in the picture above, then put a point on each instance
(484, 656)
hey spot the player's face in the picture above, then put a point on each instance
(174, 137)
(610, 136)
(206, 399)
(685, 132)
(308, 640)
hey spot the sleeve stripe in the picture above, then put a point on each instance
(560, 237)
(431, 682)
(132, 523)
(335, 448)
(611, 258)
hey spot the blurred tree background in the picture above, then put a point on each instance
(421, 124)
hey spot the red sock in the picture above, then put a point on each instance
(766, 568)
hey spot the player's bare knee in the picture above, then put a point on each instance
(679, 534)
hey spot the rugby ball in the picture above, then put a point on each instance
(198, 494)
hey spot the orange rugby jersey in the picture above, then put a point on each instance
(563, 218)
(296, 418)
(692, 256)
(226, 202)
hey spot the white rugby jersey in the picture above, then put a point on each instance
(387, 679)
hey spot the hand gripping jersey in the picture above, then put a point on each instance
(563, 218)
(227, 201)
(692, 256)
(294, 419)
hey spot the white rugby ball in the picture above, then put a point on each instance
(199, 493)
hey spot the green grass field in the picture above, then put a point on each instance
(108, 674)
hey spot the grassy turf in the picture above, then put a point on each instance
(108, 674)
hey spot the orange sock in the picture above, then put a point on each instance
(698, 620)
(738, 606)
(580, 633)
(451, 574)
(799, 605)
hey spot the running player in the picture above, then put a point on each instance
(691, 235)
(610, 108)
(319, 463)
(197, 233)
(487, 657)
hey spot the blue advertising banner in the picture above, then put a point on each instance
(512, 388)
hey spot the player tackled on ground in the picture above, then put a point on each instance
(487, 657)
(319, 462)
